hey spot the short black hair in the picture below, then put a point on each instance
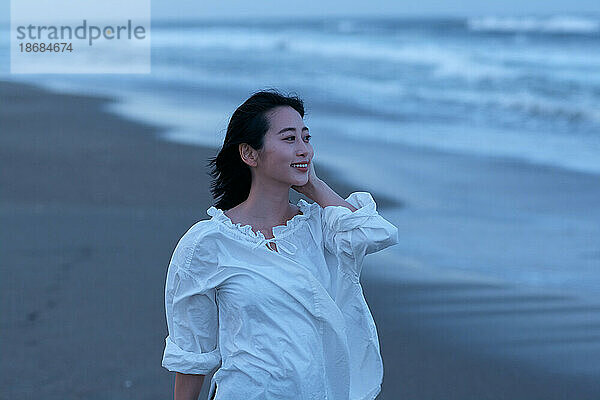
(249, 123)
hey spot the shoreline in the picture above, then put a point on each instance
(92, 204)
(91, 207)
(115, 131)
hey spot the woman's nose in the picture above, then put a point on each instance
(302, 148)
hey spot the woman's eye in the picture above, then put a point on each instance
(307, 137)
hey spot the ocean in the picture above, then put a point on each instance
(526, 88)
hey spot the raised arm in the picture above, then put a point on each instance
(351, 235)
(326, 196)
(317, 190)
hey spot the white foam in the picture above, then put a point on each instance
(553, 24)
(445, 61)
(521, 101)
(572, 153)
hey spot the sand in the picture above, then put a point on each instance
(91, 208)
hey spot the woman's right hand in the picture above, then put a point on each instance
(308, 189)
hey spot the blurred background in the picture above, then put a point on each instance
(475, 126)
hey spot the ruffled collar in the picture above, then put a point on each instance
(279, 231)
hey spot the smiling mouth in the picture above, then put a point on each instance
(300, 165)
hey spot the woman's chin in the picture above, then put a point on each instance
(300, 182)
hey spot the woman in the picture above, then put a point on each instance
(266, 291)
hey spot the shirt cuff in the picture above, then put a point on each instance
(176, 359)
(340, 218)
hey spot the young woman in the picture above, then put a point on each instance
(266, 291)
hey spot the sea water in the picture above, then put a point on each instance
(525, 87)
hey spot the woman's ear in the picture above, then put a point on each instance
(248, 154)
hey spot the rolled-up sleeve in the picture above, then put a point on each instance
(191, 346)
(350, 235)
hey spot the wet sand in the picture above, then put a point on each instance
(91, 208)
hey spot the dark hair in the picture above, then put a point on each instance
(232, 177)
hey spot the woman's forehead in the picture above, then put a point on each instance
(284, 117)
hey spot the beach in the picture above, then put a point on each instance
(92, 207)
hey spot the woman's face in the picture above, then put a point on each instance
(286, 142)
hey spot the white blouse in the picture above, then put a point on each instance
(280, 325)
